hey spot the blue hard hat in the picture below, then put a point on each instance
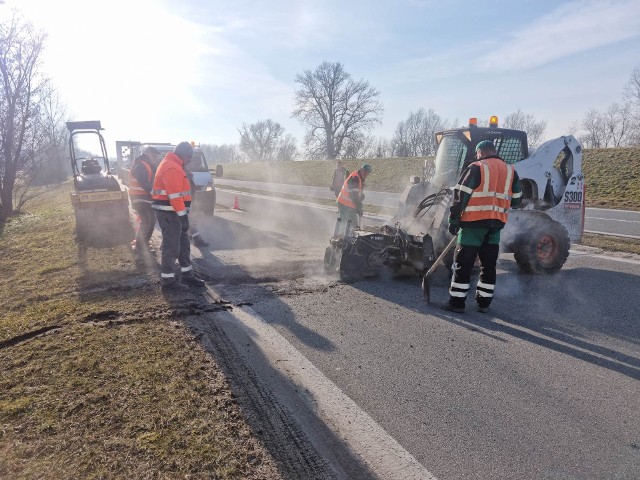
(367, 168)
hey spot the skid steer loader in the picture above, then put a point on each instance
(100, 204)
(539, 233)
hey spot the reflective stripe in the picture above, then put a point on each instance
(486, 208)
(507, 183)
(457, 294)
(485, 187)
(158, 192)
(167, 275)
(463, 188)
(482, 293)
(167, 208)
(465, 286)
(517, 195)
(182, 213)
(186, 269)
(501, 196)
(140, 200)
(178, 195)
(486, 286)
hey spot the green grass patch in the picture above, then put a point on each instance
(99, 378)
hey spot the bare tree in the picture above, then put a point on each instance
(632, 90)
(618, 122)
(263, 141)
(595, 128)
(53, 153)
(415, 136)
(225, 153)
(287, 149)
(335, 108)
(21, 90)
(527, 123)
(632, 97)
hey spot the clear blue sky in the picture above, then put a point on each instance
(160, 70)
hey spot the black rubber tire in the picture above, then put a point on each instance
(545, 249)
(207, 202)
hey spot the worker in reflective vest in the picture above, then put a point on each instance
(350, 199)
(140, 185)
(487, 189)
(171, 199)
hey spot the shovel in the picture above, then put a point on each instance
(426, 287)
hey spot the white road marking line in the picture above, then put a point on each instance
(368, 440)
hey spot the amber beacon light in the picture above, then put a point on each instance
(493, 121)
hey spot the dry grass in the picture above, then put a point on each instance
(100, 379)
(610, 243)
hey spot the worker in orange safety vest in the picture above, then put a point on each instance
(350, 199)
(171, 199)
(485, 192)
(143, 171)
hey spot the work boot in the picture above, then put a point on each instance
(199, 242)
(192, 280)
(452, 308)
(173, 286)
(482, 309)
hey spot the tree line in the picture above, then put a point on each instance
(338, 113)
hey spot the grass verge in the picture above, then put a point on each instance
(611, 243)
(100, 378)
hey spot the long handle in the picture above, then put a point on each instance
(441, 256)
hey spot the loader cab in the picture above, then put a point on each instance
(456, 149)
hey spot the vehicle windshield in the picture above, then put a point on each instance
(451, 154)
(198, 163)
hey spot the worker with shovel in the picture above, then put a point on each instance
(485, 192)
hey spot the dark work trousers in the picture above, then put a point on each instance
(463, 261)
(147, 222)
(175, 245)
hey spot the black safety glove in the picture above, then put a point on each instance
(453, 228)
(184, 220)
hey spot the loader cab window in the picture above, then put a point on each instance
(452, 152)
(510, 149)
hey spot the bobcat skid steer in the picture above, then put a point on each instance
(551, 215)
(539, 233)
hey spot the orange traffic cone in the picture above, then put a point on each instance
(236, 206)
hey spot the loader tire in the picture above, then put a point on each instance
(545, 249)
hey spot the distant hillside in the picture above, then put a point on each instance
(612, 174)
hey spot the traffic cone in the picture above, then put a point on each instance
(236, 205)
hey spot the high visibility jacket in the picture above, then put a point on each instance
(137, 191)
(171, 190)
(351, 194)
(491, 199)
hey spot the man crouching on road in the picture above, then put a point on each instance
(171, 199)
